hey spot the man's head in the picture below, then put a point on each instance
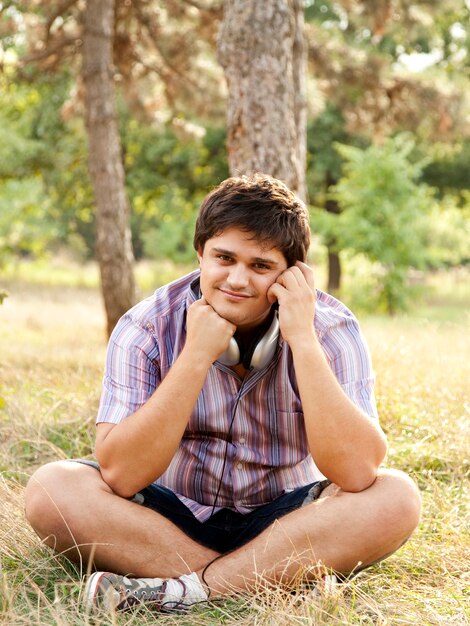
(259, 205)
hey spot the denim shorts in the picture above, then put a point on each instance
(226, 529)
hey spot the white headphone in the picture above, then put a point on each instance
(259, 355)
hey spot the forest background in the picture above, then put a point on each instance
(383, 165)
(386, 99)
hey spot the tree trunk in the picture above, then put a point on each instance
(334, 271)
(261, 48)
(113, 235)
(334, 261)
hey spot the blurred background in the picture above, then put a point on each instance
(379, 99)
(116, 118)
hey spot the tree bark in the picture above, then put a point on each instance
(334, 261)
(334, 269)
(261, 48)
(113, 235)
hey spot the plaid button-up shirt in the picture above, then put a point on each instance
(245, 441)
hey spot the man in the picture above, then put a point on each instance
(237, 433)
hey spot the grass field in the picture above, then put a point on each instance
(52, 348)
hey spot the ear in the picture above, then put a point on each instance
(200, 251)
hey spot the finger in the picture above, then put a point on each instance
(291, 278)
(307, 273)
(275, 292)
(200, 302)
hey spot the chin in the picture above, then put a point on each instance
(244, 321)
(234, 317)
(229, 315)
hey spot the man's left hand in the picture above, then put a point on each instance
(294, 290)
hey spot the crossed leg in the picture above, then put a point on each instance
(341, 531)
(75, 512)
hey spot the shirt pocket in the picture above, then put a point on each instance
(288, 431)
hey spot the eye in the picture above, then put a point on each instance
(261, 266)
(224, 257)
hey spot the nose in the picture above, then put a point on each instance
(238, 277)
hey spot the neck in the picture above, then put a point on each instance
(245, 334)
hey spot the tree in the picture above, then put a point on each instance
(324, 170)
(24, 204)
(113, 242)
(167, 74)
(356, 50)
(261, 48)
(385, 219)
(161, 63)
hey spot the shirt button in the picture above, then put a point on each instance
(242, 440)
(239, 466)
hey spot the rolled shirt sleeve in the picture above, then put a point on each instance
(347, 352)
(132, 371)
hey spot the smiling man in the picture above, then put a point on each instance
(237, 433)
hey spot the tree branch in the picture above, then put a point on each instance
(217, 9)
(155, 38)
(61, 8)
(53, 48)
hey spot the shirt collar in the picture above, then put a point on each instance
(194, 291)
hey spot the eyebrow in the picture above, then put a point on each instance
(256, 259)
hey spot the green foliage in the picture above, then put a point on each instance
(21, 147)
(324, 163)
(403, 27)
(448, 234)
(167, 175)
(383, 213)
(172, 238)
(46, 198)
(447, 170)
(321, 11)
(31, 128)
(25, 226)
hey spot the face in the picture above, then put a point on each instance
(236, 273)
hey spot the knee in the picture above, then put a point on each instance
(47, 495)
(402, 501)
(40, 496)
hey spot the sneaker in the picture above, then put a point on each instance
(111, 592)
(326, 587)
(330, 585)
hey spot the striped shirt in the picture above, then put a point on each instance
(245, 442)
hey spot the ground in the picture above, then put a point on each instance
(52, 347)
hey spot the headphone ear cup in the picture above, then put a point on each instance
(231, 356)
(266, 347)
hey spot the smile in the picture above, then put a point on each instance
(235, 296)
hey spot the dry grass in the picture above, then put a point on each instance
(52, 349)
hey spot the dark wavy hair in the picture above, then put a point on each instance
(261, 205)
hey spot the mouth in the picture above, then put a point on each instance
(235, 296)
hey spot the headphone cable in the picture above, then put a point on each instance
(226, 451)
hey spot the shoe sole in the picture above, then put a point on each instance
(89, 593)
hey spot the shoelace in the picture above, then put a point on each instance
(177, 604)
(131, 597)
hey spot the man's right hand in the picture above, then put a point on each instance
(135, 452)
(208, 334)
